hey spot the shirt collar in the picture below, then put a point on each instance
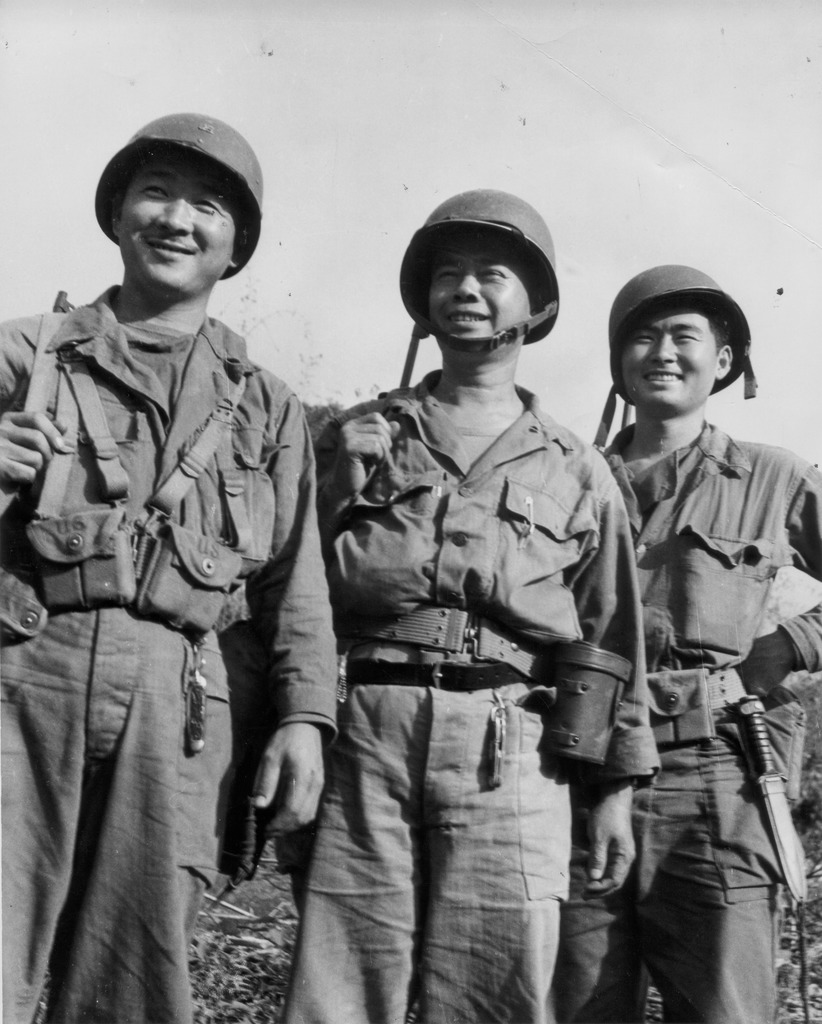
(421, 394)
(722, 451)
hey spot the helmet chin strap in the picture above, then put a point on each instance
(506, 337)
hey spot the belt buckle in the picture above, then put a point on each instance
(470, 637)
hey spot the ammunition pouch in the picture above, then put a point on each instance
(83, 560)
(184, 577)
(683, 702)
(589, 685)
(22, 614)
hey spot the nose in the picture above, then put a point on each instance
(467, 287)
(176, 215)
(664, 349)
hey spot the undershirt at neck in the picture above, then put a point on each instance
(476, 442)
(165, 353)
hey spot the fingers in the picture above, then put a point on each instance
(27, 443)
(290, 776)
(608, 866)
(612, 841)
(368, 437)
(364, 443)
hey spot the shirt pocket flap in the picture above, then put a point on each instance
(733, 552)
(248, 446)
(390, 487)
(547, 512)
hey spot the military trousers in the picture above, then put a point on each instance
(111, 827)
(429, 886)
(700, 914)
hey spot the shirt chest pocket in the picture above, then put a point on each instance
(720, 585)
(407, 494)
(249, 502)
(756, 558)
(542, 533)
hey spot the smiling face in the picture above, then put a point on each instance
(670, 362)
(176, 229)
(478, 287)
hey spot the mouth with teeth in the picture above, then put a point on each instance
(467, 318)
(660, 376)
(165, 245)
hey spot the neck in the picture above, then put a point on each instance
(653, 438)
(487, 386)
(185, 316)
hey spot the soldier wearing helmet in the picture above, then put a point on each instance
(467, 535)
(149, 469)
(713, 520)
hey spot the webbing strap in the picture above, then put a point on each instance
(44, 369)
(607, 418)
(167, 498)
(113, 477)
(57, 472)
(750, 378)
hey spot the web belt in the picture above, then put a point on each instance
(454, 631)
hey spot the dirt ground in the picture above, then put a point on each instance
(241, 957)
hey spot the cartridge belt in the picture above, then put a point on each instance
(454, 631)
(442, 675)
(683, 702)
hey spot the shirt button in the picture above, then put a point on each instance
(459, 539)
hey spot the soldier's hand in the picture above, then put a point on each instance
(612, 840)
(28, 440)
(364, 443)
(290, 776)
(772, 658)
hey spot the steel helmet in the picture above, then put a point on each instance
(671, 285)
(511, 217)
(221, 143)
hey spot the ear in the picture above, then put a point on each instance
(116, 210)
(724, 361)
(240, 242)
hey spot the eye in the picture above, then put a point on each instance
(443, 274)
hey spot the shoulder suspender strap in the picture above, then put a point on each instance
(167, 499)
(604, 429)
(113, 477)
(57, 473)
(44, 370)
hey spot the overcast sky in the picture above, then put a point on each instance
(644, 132)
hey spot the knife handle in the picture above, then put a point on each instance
(752, 711)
